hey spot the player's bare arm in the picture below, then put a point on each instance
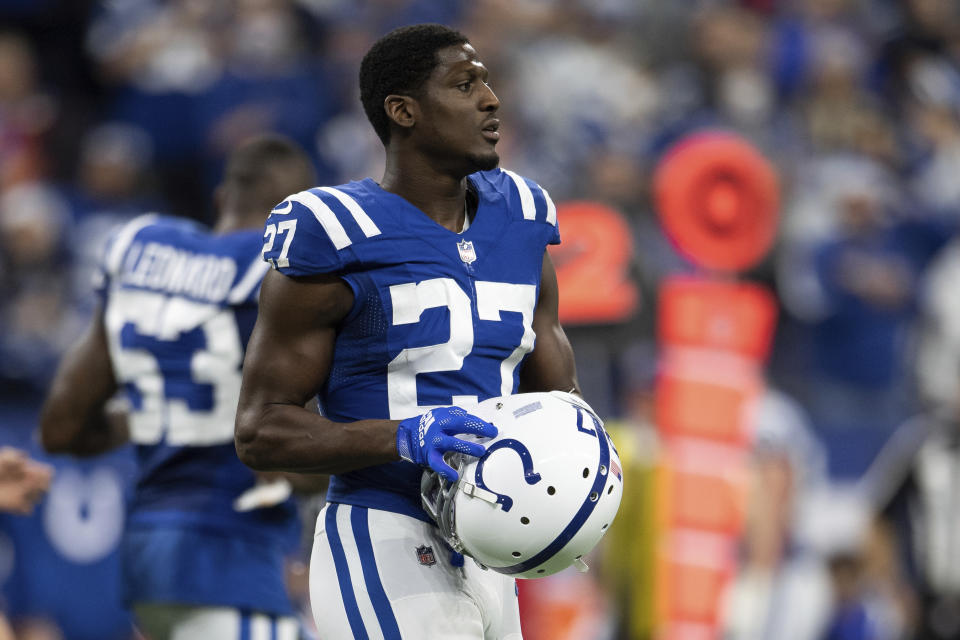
(287, 362)
(551, 366)
(74, 418)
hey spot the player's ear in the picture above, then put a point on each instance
(401, 109)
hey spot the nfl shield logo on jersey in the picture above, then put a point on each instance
(467, 254)
(425, 556)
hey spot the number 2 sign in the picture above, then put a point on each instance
(593, 265)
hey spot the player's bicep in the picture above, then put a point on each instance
(551, 365)
(290, 350)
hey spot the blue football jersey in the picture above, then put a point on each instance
(179, 306)
(439, 317)
(61, 563)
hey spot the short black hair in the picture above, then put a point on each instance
(266, 168)
(399, 63)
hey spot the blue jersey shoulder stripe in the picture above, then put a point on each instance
(325, 212)
(325, 216)
(535, 202)
(360, 216)
(526, 196)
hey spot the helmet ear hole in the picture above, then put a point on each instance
(551, 490)
(524, 520)
(516, 554)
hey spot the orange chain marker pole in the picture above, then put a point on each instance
(717, 198)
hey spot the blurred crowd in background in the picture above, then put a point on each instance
(110, 109)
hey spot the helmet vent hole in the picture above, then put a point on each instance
(604, 527)
(603, 469)
(516, 554)
(540, 570)
(551, 491)
(578, 557)
(610, 490)
(586, 472)
(524, 520)
(594, 496)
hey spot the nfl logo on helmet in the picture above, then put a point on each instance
(425, 556)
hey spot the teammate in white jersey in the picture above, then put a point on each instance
(401, 304)
(178, 302)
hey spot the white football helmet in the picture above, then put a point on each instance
(541, 497)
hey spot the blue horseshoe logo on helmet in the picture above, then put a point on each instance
(529, 475)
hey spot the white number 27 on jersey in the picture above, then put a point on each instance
(412, 299)
(287, 228)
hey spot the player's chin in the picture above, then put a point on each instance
(486, 160)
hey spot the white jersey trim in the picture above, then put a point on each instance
(551, 208)
(124, 238)
(250, 281)
(526, 196)
(366, 224)
(325, 216)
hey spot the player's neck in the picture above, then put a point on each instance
(440, 196)
(230, 222)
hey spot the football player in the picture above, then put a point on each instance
(178, 302)
(401, 303)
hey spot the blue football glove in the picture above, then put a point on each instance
(424, 439)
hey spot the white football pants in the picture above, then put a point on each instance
(162, 621)
(376, 574)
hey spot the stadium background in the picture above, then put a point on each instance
(110, 109)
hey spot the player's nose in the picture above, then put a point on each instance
(488, 99)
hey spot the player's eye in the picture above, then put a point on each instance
(465, 86)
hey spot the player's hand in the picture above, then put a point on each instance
(22, 481)
(424, 439)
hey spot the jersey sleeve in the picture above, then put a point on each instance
(116, 249)
(313, 232)
(535, 205)
(553, 233)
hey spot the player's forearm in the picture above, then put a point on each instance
(72, 420)
(108, 432)
(283, 437)
(75, 417)
(97, 434)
